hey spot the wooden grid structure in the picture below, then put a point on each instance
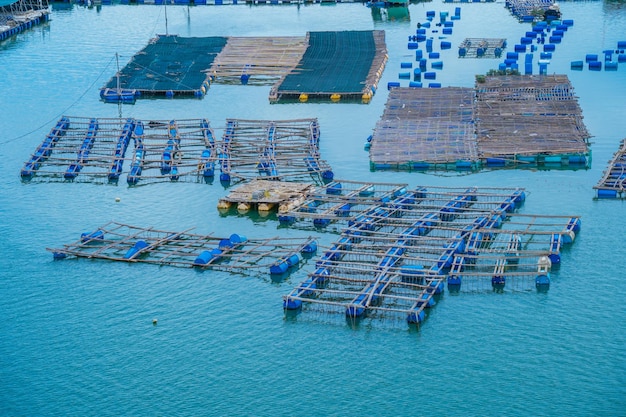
(425, 127)
(482, 47)
(92, 149)
(22, 15)
(529, 115)
(337, 202)
(613, 181)
(121, 242)
(260, 61)
(272, 149)
(393, 260)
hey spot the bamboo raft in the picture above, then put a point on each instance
(265, 195)
(274, 150)
(121, 242)
(393, 260)
(259, 61)
(530, 115)
(482, 47)
(437, 122)
(517, 121)
(613, 181)
(82, 149)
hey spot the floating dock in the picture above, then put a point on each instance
(336, 66)
(265, 196)
(22, 15)
(393, 260)
(121, 242)
(272, 149)
(506, 121)
(97, 149)
(613, 181)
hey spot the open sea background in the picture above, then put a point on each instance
(76, 336)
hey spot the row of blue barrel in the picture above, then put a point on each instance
(7, 33)
(421, 36)
(44, 150)
(594, 63)
(553, 31)
(83, 152)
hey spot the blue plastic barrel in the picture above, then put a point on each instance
(392, 84)
(520, 48)
(591, 57)
(310, 247)
(439, 64)
(610, 66)
(406, 65)
(447, 31)
(446, 45)
(549, 47)
(412, 45)
(595, 65)
(415, 84)
(418, 54)
(404, 75)
(434, 85)
(430, 75)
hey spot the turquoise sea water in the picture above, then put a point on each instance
(76, 337)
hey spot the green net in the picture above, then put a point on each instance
(170, 63)
(334, 62)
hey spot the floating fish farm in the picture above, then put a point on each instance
(91, 149)
(506, 121)
(322, 65)
(274, 150)
(395, 258)
(22, 15)
(343, 65)
(236, 253)
(169, 66)
(613, 181)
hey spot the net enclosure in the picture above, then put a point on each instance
(170, 64)
(345, 63)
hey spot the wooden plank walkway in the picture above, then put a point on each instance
(613, 181)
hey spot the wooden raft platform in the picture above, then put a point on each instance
(613, 181)
(393, 261)
(259, 61)
(530, 118)
(126, 243)
(521, 121)
(425, 128)
(80, 149)
(272, 149)
(265, 195)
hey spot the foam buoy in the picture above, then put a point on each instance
(154, 321)
(117, 199)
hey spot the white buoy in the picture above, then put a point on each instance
(154, 321)
(117, 199)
